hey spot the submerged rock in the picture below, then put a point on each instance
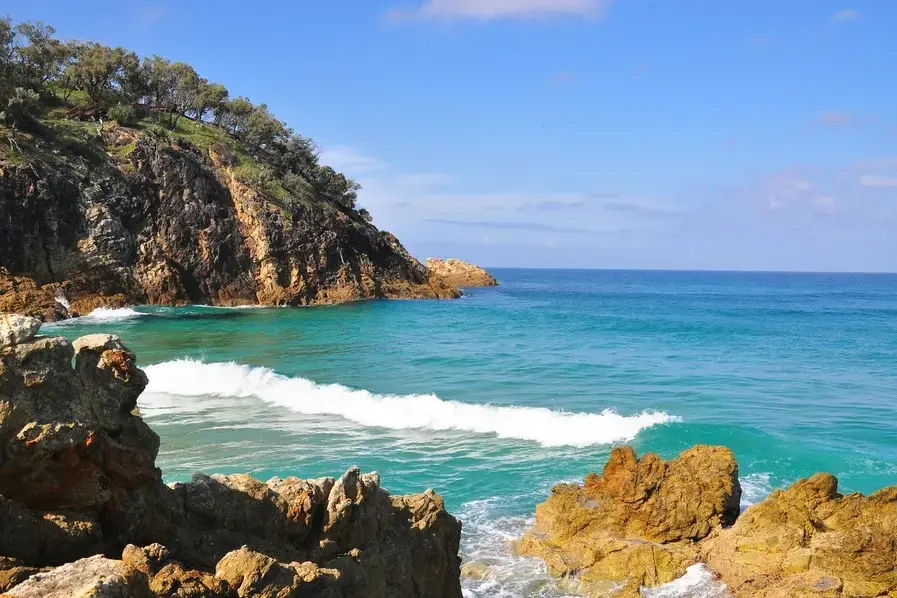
(638, 523)
(457, 273)
(78, 478)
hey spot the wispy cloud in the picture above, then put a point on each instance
(846, 15)
(836, 119)
(872, 180)
(152, 13)
(505, 225)
(485, 10)
(347, 159)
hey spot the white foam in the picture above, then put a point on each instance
(62, 300)
(698, 582)
(106, 314)
(755, 487)
(190, 378)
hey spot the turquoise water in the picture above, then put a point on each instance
(493, 398)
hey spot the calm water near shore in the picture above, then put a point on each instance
(494, 398)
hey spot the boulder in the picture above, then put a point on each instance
(255, 575)
(16, 329)
(94, 577)
(809, 540)
(639, 522)
(458, 273)
(13, 572)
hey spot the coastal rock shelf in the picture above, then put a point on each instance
(457, 273)
(84, 512)
(644, 522)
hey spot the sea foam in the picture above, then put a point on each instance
(107, 314)
(190, 378)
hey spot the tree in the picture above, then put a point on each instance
(211, 97)
(43, 57)
(263, 130)
(8, 78)
(234, 114)
(158, 79)
(185, 91)
(98, 70)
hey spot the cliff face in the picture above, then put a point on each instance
(164, 222)
(83, 507)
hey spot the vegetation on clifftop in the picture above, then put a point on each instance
(64, 92)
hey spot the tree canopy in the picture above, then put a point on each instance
(34, 65)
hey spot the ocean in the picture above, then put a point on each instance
(494, 398)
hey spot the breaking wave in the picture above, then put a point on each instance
(190, 378)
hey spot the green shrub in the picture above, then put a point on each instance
(123, 114)
(20, 109)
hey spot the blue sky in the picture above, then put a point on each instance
(571, 133)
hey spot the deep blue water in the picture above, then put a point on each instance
(493, 398)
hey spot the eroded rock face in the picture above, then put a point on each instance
(78, 478)
(16, 329)
(638, 522)
(460, 274)
(809, 540)
(172, 224)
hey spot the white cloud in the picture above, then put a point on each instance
(843, 16)
(871, 180)
(484, 10)
(344, 158)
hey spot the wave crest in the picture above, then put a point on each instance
(190, 378)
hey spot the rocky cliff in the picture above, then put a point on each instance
(84, 512)
(457, 273)
(643, 522)
(117, 216)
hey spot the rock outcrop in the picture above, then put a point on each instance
(15, 329)
(643, 522)
(156, 221)
(639, 522)
(457, 273)
(810, 541)
(80, 495)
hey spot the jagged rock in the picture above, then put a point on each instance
(78, 477)
(16, 329)
(460, 274)
(170, 578)
(637, 523)
(173, 224)
(94, 577)
(13, 572)
(23, 295)
(69, 439)
(252, 574)
(810, 541)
